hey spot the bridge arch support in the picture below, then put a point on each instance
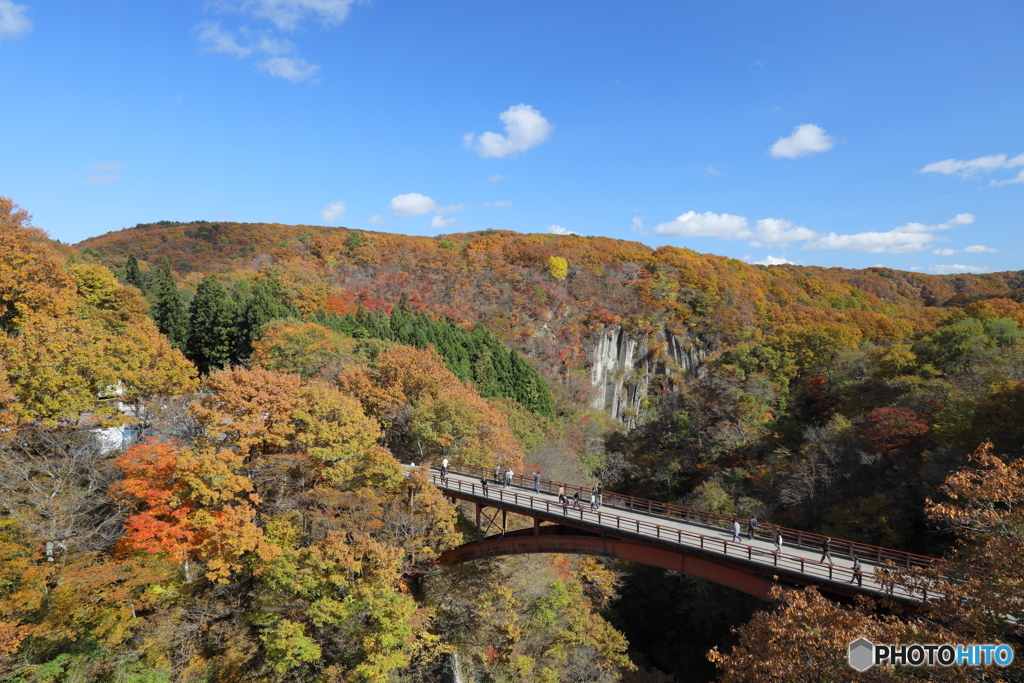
(565, 540)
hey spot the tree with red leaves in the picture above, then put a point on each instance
(895, 431)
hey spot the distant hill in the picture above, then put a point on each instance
(506, 281)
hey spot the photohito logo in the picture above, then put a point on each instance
(864, 654)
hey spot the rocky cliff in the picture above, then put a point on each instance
(623, 368)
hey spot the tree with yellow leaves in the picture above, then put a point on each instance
(32, 275)
(558, 267)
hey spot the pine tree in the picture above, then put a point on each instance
(211, 326)
(133, 274)
(168, 310)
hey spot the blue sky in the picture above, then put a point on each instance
(834, 134)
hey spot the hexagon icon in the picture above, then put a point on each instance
(862, 654)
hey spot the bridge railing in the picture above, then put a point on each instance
(716, 542)
(764, 531)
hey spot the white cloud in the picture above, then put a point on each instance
(766, 232)
(774, 261)
(971, 167)
(525, 127)
(103, 172)
(213, 39)
(494, 179)
(637, 225)
(412, 205)
(973, 249)
(957, 268)
(105, 167)
(13, 22)
(711, 170)
(1011, 181)
(333, 212)
(497, 205)
(288, 14)
(376, 219)
(416, 204)
(294, 69)
(806, 139)
(895, 241)
(778, 232)
(692, 224)
(559, 230)
(439, 222)
(909, 237)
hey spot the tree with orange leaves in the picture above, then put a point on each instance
(276, 422)
(426, 411)
(192, 504)
(32, 275)
(805, 640)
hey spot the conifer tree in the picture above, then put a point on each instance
(133, 274)
(168, 310)
(211, 327)
(262, 307)
(354, 241)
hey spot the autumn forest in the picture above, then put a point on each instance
(202, 426)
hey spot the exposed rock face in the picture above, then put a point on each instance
(622, 368)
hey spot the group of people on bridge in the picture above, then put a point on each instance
(505, 479)
(826, 547)
(595, 498)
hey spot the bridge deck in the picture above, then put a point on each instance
(694, 536)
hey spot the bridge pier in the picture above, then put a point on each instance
(481, 517)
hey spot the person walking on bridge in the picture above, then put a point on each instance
(751, 527)
(736, 530)
(444, 468)
(778, 541)
(826, 548)
(497, 474)
(600, 492)
(858, 575)
(561, 494)
(508, 477)
(536, 482)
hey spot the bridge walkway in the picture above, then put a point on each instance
(644, 527)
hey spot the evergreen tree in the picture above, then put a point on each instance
(263, 306)
(133, 274)
(354, 241)
(168, 310)
(211, 329)
(476, 357)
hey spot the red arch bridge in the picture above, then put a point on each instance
(686, 540)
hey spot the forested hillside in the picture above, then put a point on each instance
(256, 526)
